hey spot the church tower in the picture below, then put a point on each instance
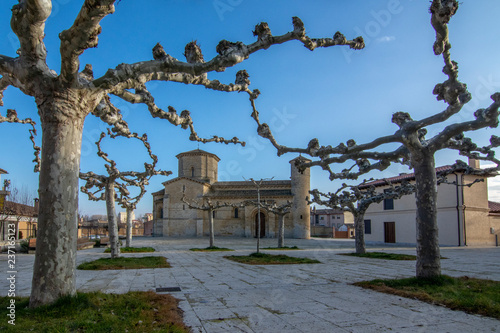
(300, 209)
(199, 165)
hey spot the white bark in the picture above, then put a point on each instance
(129, 228)
(211, 227)
(114, 241)
(281, 231)
(428, 254)
(53, 270)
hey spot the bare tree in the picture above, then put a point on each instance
(116, 180)
(130, 203)
(415, 149)
(64, 100)
(209, 207)
(356, 199)
(280, 211)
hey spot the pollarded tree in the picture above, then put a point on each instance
(280, 211)
(356, 199)
(104, 187)
(65, 98)
(209, 207)
(414, 149)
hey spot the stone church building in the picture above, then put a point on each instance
(197, 178)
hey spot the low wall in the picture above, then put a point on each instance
(320, 231)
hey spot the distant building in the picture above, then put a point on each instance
(122, 217)
(197, 177)
(465, 216)
(334, 223)
(17, 220)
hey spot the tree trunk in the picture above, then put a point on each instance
(211, 227)
(129, 227)
(281, 231)
(112, 223)
(55, 259)
(428, 255)
(359, 227)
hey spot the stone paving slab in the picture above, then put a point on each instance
(218, 295)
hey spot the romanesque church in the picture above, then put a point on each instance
(197, 178)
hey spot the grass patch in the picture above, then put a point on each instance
(132, 249)
(270, 259)
(125, 263)
(381, 255)
(471, 295)
(98, 312)
(211, 249)
(282, 248)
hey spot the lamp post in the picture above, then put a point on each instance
(258, 184)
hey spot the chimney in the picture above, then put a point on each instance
(36, 205)
(473, 163)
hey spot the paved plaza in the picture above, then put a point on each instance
(218, 295)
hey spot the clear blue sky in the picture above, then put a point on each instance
(334, 94)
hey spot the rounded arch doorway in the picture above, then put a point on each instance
(262, 224)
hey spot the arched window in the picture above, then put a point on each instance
(192, 171)
(236, 213)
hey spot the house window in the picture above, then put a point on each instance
(338, 217)
(213, 214)
(192, 171)
(236, 213)
(388, 204)
(368, 227)
(321, 217)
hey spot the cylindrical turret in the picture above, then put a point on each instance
(198, 164)
(300, 190)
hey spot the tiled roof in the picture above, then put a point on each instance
(494, 207)
(2, 171)
(402, 177)
(198, 152)
(250, 193)
(250, 184)
(13, 208)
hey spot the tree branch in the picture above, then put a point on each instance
(28, 23)
(82, 35)
(13, 118)
(230, 54)
(142, 95)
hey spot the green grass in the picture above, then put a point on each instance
(211, 249)
(132, 249)
(270, 259)
(381, 255)
(125, 263)
(471, 295)
(98, 312)
(282, 248)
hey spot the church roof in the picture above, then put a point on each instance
(251, 185)
(250, 193)
(186, 178)
(198, 152)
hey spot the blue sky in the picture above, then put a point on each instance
(334, 94)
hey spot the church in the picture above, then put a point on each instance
(198, 179)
